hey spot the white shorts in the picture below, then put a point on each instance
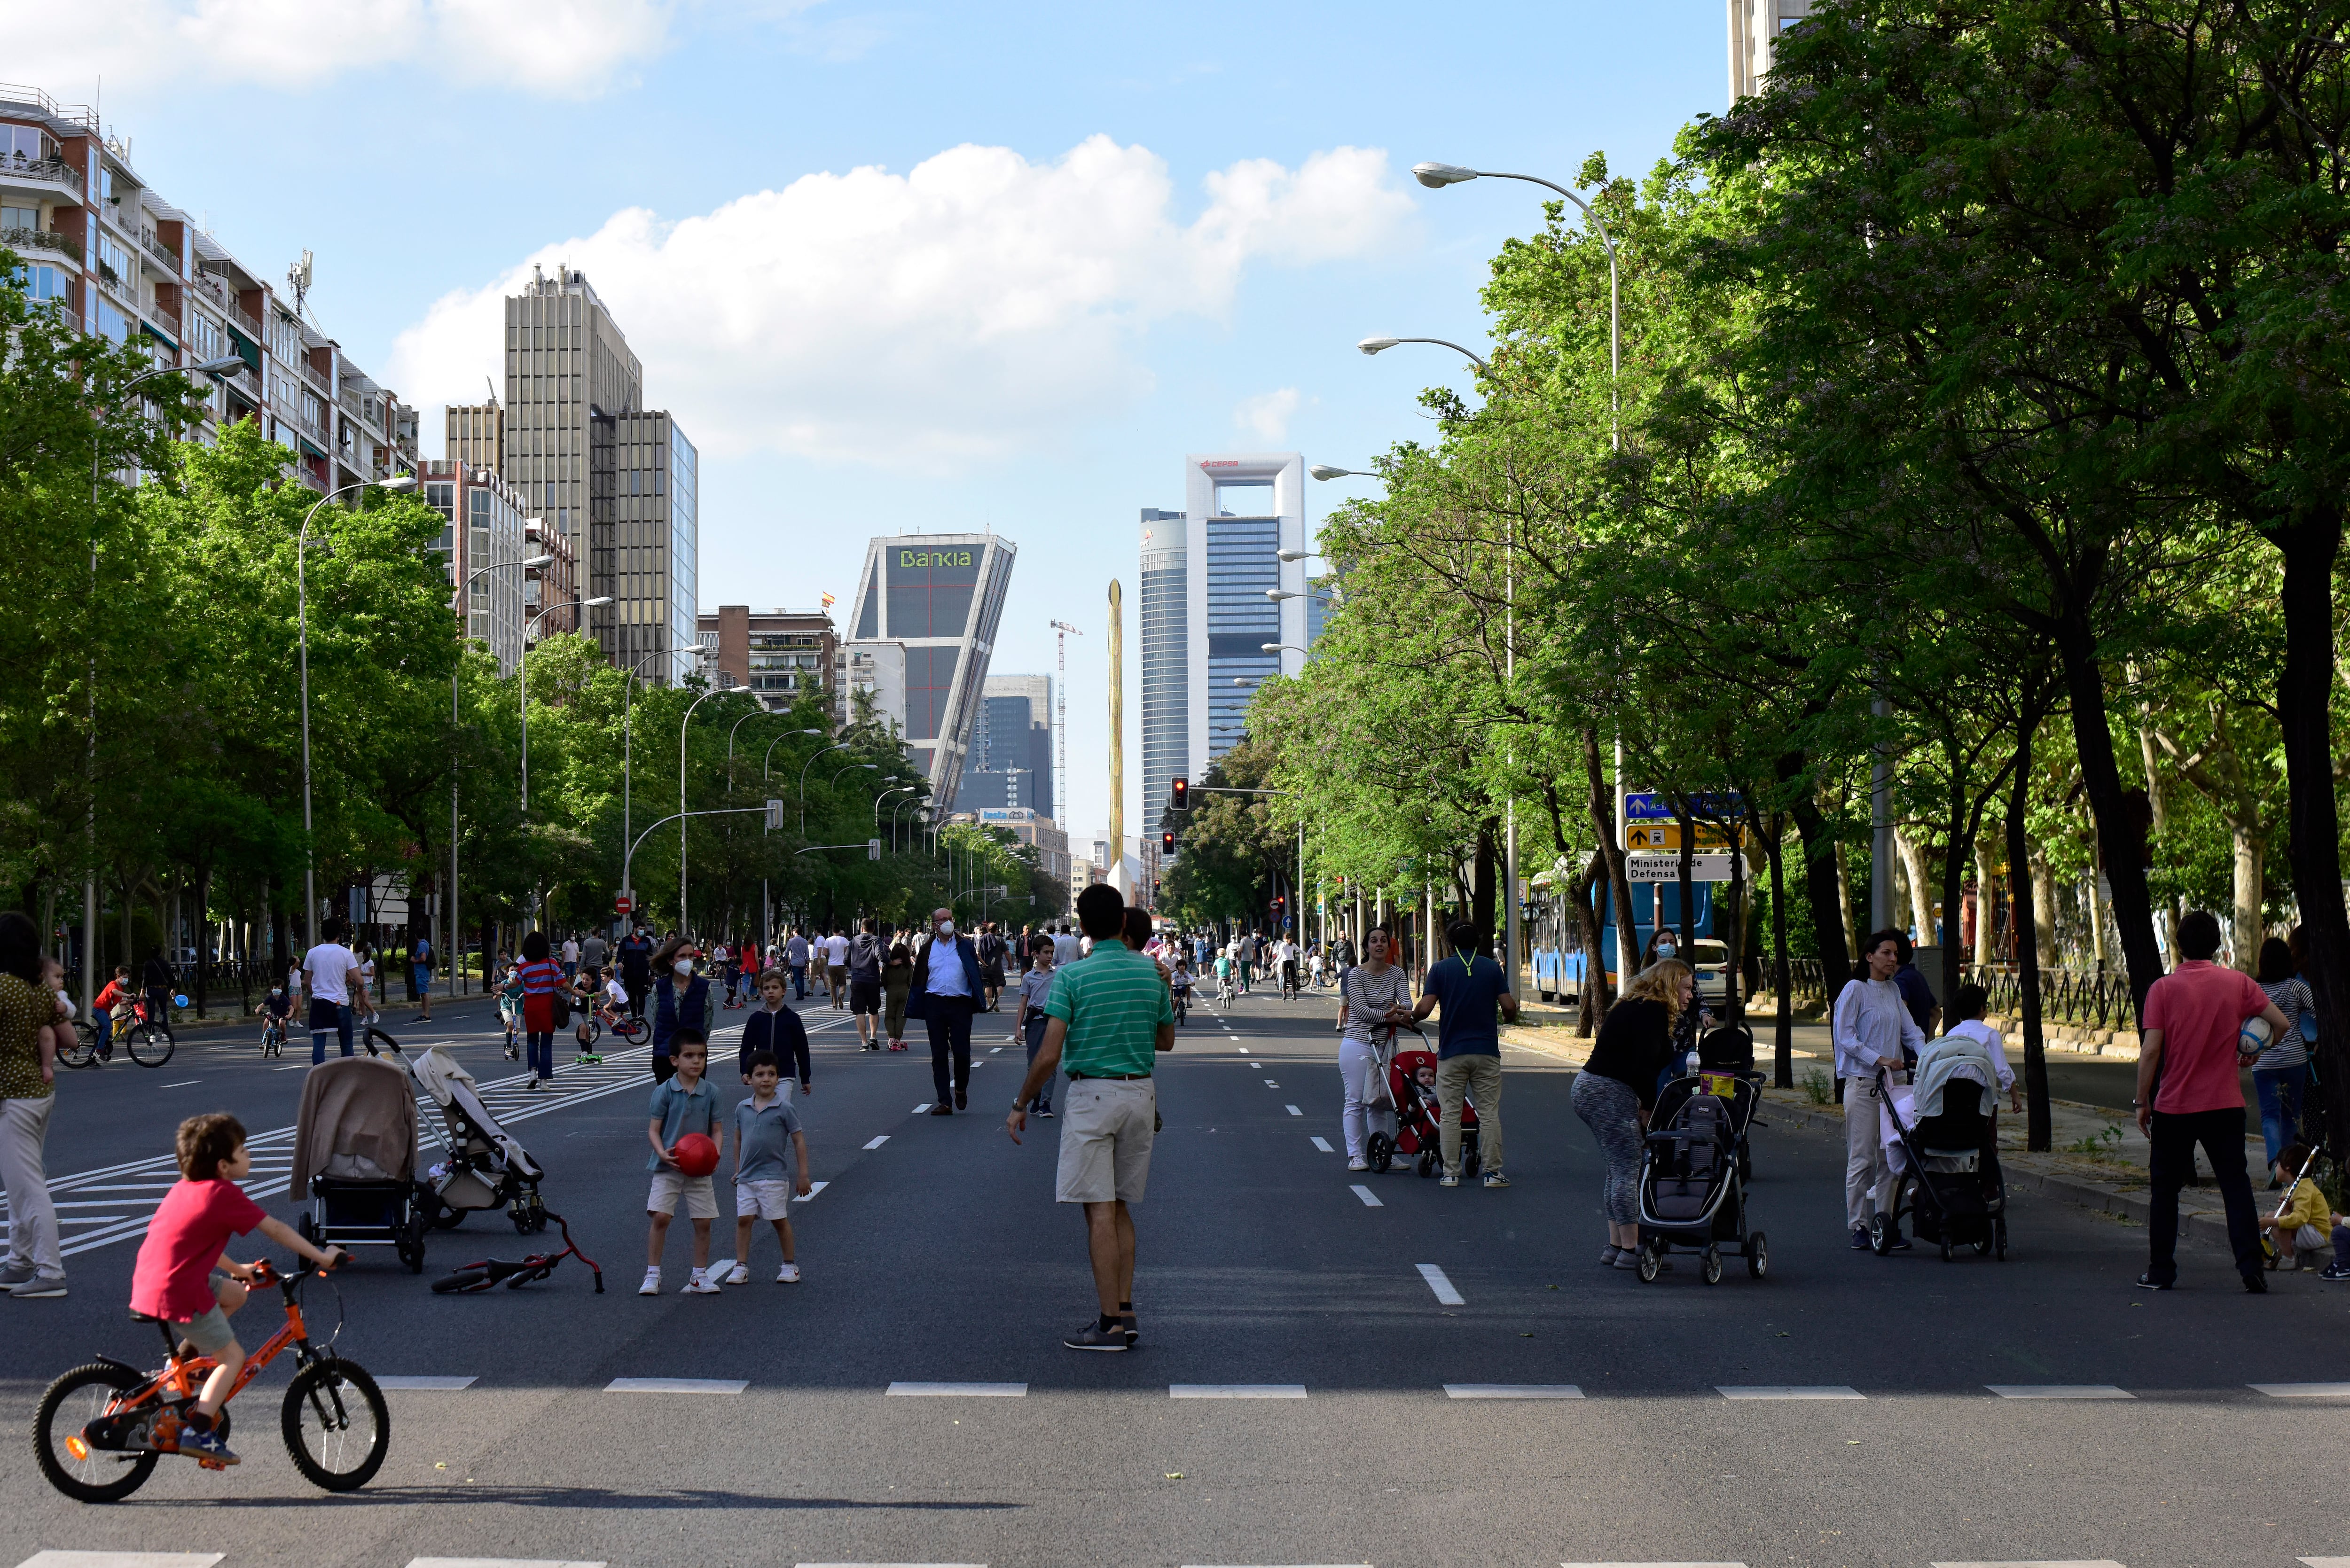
(763, 1201)
(1105, 1135)
(700, 1200)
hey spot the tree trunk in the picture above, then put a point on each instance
(2305, 708)
(1482, 910)
(1687, 882)
(1912, 855)
(2043, 909)
(1822, 881)
(1783, 1069)
(1733, 972)
(1592, 996)
(2037, 1128)
(2250, 868)
(2101, 780)
(1603, 824)
(1985, 904)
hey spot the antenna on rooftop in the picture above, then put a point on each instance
(297, 279)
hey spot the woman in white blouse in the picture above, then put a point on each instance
(1375, 991)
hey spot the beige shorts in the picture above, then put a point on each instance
(1106, 1132)
(700, 1198)
(763, 1201)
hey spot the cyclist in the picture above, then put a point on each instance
(276, 1009)
(160, 983)
(1288, 951)
(510, 992)
(1180, 984)
(101, 1012)
(1224, 978)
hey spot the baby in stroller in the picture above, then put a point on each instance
(1944, 1142)
(1411, 1079)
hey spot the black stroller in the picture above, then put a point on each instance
(1692, 1194)
(1729, 1048)
(1951, 1189)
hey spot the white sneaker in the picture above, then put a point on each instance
(701, 1285)
(1357, 1165)
(789, 1275)
(652, 1287)
(741, 1276)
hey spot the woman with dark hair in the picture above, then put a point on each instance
(539, 975)
(897, 980)
(2281, 1073)
(682, 998)
(28, 1095)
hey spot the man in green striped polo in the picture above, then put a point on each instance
(1106, 1019)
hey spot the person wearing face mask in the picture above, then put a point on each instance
(681, 999)
(947, 988)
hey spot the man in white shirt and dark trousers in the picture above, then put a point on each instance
(329, 972)
(1870, 1027)
(945, 992)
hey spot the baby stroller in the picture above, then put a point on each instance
(1691, 1192)
(1419, 1116)
(354, 1160)
(1946, 1174)
(482, 1165)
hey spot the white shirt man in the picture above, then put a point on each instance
(329, 973)
(1064, 947)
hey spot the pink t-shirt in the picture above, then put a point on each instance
(2200, 1008)
(172, 1279)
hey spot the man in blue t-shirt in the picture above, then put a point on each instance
(1471, 988)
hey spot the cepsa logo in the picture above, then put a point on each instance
(1221, 463)
(921, 558)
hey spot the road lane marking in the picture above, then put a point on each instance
(877, 1142)
(1293, 1110)
(2058, 1391)
(426, 1384)
(1512, 1391)
(55, 1559)
(1324, 1145)
(2080, 1562)
(1786, 1391)
(2304, 1391)
(920, 1108)
(960, 1390)
(882, 1565)
(1445, 1293)
(677, 1385)
(182, 1084)
(1652, 1565)
(1270, 1083)
(1371, 1198)
(814, 1188)
(500, 1562)
(1236, 1391)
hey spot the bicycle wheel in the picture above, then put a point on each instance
(83, 1049)
(337, 1429)
(73, 1402)
(150, 1044)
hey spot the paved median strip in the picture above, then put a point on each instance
(960, 1391)
(677, 1385)
(1445, 1293)
(1236, 1391)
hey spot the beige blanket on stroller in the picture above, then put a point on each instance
(358, 1123)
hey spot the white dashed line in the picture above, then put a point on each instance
(55, 1559)
(920, 1108)
(426, 1384)
(1293, 1110)
(1269, 1084)
(1371, 1198)
(1786, 1391)
(962, 1390)
(2302, 1391)
(877, 1142)
(1236, 1391)
(500, 1562)
(2058, 1391)
(1512, 1391)
(814, 1188)
(677, 1385)
(1446, 1294)
(1324, 1145)
(182, 1084)
(2100, 1563)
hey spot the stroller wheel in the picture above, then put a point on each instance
(1758, 1257)
(1946, 1252)
(1426, 1166)
(305, 1229)
(1998, 1238)
(1379, 1152)
(447, 1218)
(1710, 1265)
(1880, 1235)
(1652, 1262)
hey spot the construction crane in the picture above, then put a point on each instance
(1061, 630)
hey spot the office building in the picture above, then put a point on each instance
(1166, 669)
(486, 536)
(870, 678)
(103, 249)
(780, 654)
(1033, 828)
(1755, 29)
(547, 589)
(1241, 512)
(1010, 763)
(941, 596)
(650, 566)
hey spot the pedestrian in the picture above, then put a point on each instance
(35, 1266)
(637, 966)
(1916, 995)
(2300, 1225)
(2281, 1073)
(1470, 988)
(539, 975)
(363, 1010)
(1873, 1031)
(1967, 1005)
(864, 984)
(775, 1027)
(1375, 995)
(2191, 1036)
(571, 956)
(682, 1001)
(420, 969)
(989, 948)
(764, 1125)
(682, 1104)
(796, 953)
(1066, 950)
(1035, 989)
(593, 956)
(1616, 1092)
(161, 982)
(329, 974)
(836, 968)
(1110, 1018)
(945, 992)
(897, 983)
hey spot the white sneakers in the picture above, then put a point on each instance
(652, 1287)
(741, 1276)
(789, 1275)
(1357, 1165)
(701, 1285)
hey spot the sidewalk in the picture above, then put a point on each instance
(2098, 1157)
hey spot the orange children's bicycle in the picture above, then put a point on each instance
(102, 1427)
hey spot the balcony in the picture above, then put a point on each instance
(159, 251)
(19, 170)
(252, 325)
(310, 374)
(212, 287)
(23, 241)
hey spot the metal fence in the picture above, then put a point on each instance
(2081, 997)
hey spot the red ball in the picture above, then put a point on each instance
(695, 1155)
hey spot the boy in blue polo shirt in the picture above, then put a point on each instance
(764, 1126)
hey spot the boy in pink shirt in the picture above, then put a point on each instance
(185, 1278)
(2191, 1037)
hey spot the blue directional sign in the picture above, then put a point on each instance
(1649, 807)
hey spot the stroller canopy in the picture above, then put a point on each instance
(358, 1123)
(453, 1089)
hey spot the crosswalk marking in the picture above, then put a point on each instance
(1652, 1565)
(677, 1385)
(1371, 1198)
(960, 1390)
(1293, 1110)
(1445, 1293)
(1236, 1391)
(1269, 1084)
(1324, 1145)
(1786, 1391)
(2065, 1563)
(814, 1188)
(426, 1383)
(1512, 1391)
(2058, 1391)
(2304, 1391)
(889, 1565)
(877, 1142)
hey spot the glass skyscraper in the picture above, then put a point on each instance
(1242, 512)
(1166, 671)
(939, 595)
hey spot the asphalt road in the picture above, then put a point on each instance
(934, 1254)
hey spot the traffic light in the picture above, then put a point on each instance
(1166, 842)
(1182, 799)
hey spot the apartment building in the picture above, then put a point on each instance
(113, 258)
(1166, 665)
(547, 590)
(484, 538)
(779, 654)
(876, 670)
(1755, 29)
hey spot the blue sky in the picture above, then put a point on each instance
(1087, 241)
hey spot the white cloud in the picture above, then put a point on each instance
(1267, 415)
(976, 304)
(559, 47)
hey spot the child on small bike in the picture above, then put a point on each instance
(1180, 984)
(102, 1011)
(276, 1009)
(185, 1278)
(510, 990)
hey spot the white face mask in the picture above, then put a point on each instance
(683, 966)
(946, 928)
(1667, 950)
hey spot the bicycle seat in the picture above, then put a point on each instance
(144, 1317)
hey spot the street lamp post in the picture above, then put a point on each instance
(1380, 345)
(766, 902)
(450, 930)
(841, 746)
(683, 927)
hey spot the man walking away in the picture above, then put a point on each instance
(594, 954)
(864, 985)
(796, 955)
(1469, 1049)
(2191, 1091)
(419, 961)
(1108, 1019)
(836, 968)
(1066, 950)
(1872, 1028)
(329, 972)
(946, 989)
(989, 948)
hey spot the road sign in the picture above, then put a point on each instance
(872, 845)
(1640, 836)
(1650, 806)
(774, 815)
(622, 904)
(1668, 867)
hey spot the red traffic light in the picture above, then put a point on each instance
(1167, 844)
(1181, 794)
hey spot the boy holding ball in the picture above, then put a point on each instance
(684, 1104)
